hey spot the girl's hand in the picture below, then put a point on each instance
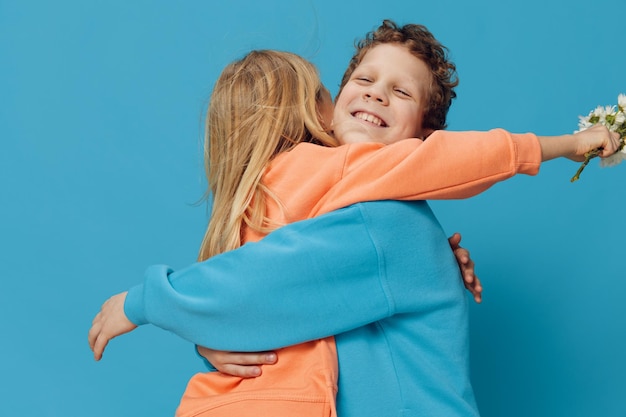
(241, 364)
(577, 145)
(595, 137)
(466, 265)
(110, 322)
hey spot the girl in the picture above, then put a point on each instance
(266, 169)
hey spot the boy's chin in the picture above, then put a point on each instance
(359, 135)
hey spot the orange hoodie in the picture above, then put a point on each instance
(311, 180)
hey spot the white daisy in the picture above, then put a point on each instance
(621, 101)
(613, 160)
(613, 117)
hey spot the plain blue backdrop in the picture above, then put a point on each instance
(101, 108)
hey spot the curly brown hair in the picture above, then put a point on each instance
(423, 45)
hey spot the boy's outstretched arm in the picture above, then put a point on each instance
(110, 322)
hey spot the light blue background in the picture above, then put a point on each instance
(100, 166)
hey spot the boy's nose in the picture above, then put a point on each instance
(375, 95)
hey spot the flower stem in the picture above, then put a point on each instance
(592, 154)
(588, 157)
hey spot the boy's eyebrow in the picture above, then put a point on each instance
(413, 84)
(364, 66)
(373, 68)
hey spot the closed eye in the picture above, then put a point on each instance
(403, 92)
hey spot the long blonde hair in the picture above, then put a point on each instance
(261, 105)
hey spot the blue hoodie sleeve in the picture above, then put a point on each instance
(305, 281)
(283, 290)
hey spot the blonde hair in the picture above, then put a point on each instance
(261, 105)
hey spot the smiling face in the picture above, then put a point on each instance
(384, 99)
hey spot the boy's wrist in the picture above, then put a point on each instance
(133, 306)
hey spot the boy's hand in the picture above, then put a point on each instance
(110, 322)
(466, 265)
(241, 364)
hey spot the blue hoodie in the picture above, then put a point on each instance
(380, 276)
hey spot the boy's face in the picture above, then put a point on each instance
(383, 101)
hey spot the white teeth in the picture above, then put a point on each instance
(369, 118)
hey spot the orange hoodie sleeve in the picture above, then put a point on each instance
(448, 165)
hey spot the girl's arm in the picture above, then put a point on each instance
(575, 146)
(448, 165)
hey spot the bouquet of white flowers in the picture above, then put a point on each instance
(614, 119)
